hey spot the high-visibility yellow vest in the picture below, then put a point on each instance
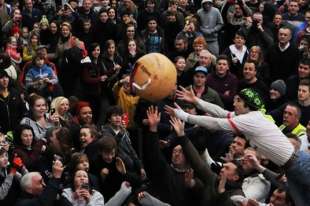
(299, 130)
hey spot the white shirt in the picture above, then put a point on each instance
(256, 187)
(261, 133)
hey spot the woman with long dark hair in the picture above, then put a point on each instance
(26, 147)
(112, 61)
(94, 81)
(132, 54)
(81, 192)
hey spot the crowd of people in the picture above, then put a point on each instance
(234, 131)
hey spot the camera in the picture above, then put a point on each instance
(85, 186)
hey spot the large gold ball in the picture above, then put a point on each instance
(153, 77)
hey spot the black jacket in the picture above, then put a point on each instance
(209, 178)
(47, 198)
(12, 110)
(167, 181)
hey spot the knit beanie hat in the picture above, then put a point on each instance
(280, 86)
(251, 98)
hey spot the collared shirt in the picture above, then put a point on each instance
(285, 48)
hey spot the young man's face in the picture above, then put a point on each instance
(4, 82)
(87, 4)
(303, 93)
(207, 6)
(221, 67)
(249, 71)
(116, 120)
(86, 115)
(303, 71)
(86, 26)
(229, 171)
(239, 105)
(277, 19)
(293, 7)
(237, 146)
(199, 79)
(278, 198)
(239, 41)
(178, 158)
(152, 25)
(180, 45)
(246, 162)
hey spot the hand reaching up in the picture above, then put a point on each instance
(178, 126)
(58, 168)
(171, 110)
(187, 95)
(176, 112)
(153, 117)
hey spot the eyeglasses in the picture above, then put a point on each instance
(130, 30)
(4, 142)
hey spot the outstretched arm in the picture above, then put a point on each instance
(200, 167)
(211, 123)
(212, 109)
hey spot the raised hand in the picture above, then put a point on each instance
(189, 178)
(178, 126)
(171, 110)
(187, 95)
(153, 117)
(58, 168)
(222, 183)
(252, 159)
(177, 112)
(84, 193)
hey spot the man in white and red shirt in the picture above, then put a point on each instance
(262, 134)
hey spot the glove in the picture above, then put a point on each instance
(17, 162)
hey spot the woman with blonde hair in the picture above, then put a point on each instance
(60, 106)
(199, 44)
(263, 71)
